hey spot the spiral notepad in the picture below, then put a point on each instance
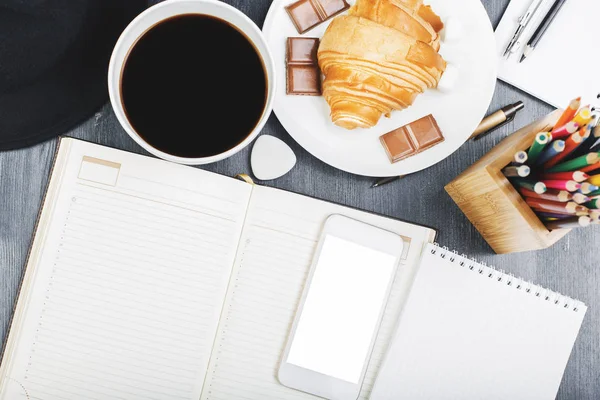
(469, 331)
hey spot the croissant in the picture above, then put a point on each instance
(379, 58)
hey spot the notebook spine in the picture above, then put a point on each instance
(507, 279)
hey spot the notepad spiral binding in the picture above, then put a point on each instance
(505, 278)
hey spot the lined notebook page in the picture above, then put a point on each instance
(123, 299)
(470, 332)
(276, 249)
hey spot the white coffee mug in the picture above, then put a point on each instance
(167, 9)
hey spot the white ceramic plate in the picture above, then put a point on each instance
(359, 151)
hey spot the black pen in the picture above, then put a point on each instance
(541, 30)
(385, 181)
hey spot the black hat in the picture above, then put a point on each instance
(53, 63)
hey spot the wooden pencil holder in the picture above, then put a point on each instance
(494, 206)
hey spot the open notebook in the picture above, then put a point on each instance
(470, 332)
(150, 280)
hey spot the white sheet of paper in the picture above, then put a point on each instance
(565, 63)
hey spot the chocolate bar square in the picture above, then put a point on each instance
(412, 138)
(306, 14)
(302, 50)
(303, 80)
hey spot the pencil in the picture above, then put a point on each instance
(576, 176)
(520, 157)
(580, 198)
(591, 168)
(569, 185)
(540, 142)
(565, 130)
(595, 215)
(576, 163)
(551, 194)
(587, 188)
(522, 171)
(554, 216)
(583, 116)
(594, 204)
(570, 112)
(594, 180)
(555, 206)
(537, 187)
(594, 193)
(571, 145)
(569, 223)
(556, 147)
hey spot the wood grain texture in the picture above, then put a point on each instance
(570, 267)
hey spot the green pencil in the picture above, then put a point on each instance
(593, 194)
(538, 187)
(595, 204)
(540, 142)
(576, 163)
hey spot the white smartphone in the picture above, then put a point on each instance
(337, 321)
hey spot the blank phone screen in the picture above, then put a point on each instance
(342, 308)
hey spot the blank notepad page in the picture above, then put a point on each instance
(469, 332)
(280, 235)
(127, 294)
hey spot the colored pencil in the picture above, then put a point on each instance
(591, 168)
(569, 223)
(565, 130)
(594, 204)
(576, 176)
(571, 186)
(570, 112)
(556, 147)
(594, 180)
(551, 194)
(540, 142)
(571, 144)
(580, 198)
(594, 193)
(577, 163)
(584, 116)
(520, 157)
(595, 215)
(587, 188)
(553, 216)
(537, 187)
(522, 171)
(555, 206)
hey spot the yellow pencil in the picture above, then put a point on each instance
(594, 180)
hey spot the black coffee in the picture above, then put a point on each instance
(194, 86)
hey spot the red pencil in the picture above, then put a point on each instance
(555, 206)
(551, 194)
(565, 130)
(571, 144)
(571, 186)
(576, 176)
(570, 112)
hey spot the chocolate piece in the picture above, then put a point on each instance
(303, 73)
(306, 14)
(302, 50)
(412, 138)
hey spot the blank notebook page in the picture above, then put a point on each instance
(127, 288)
(469, 332)
(276, 250)
(565, 62)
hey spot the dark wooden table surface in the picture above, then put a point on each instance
(570, 267)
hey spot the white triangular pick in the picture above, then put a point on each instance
(271, 158)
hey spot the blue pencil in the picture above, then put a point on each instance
(558, 146)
